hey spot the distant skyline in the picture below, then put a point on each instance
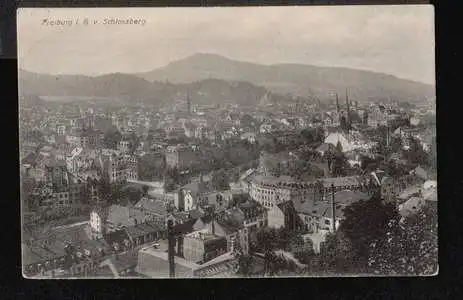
(396, 40)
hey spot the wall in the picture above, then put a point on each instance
(193, 249)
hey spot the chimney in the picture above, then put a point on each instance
(170, 252)
(213, 223)
(333, 208)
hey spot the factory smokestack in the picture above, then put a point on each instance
(170, 252)
(333, 208)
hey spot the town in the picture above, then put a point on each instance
(184, 189)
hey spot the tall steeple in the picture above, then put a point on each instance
(347, 103)
(189, 103)
(347, 108)
(337, 104)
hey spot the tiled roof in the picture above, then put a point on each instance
(155, 206)
(56, 239)
(117, 236)
(126, 216)
(324, 209)
(229, 225)
(143, 229)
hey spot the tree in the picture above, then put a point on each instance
(134, 142)
(220, 180)
(340, 165)
(337, 255)
(244, 264)
(112, 139)
(144, 190)
(366, 222)
(416, 154)
(130, 195)
(410, 246)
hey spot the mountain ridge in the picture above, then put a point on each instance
(291, 78)
(287, 79)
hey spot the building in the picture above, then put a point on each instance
(56, 173)
(336, 137)
(120, 167)
(181, 157)
(347, 183)
(226, 226)
(200, 194)
(200, 247)
(271, 164)
(272, 191)
(70, 249)
(315, 216)
(126, 226)
(252, 216)
(83, 138)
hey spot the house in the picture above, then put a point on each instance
(200, 247)
(181, 157)
(197, 194)
(399, 189)
(223, 225)
(118, 167)
(157, 207)
(315, 216)
(69, 248)
(141, 225)
(252, 215)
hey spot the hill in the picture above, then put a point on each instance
(295, 79)
(129, 89)
(111, 85)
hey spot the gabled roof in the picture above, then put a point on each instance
(229, 225)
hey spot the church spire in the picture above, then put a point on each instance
(337, 104)
(347, 108)
(189, 103)
(347, 102)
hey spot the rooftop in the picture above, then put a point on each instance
(342, 181)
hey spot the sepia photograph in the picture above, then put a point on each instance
(227, 142)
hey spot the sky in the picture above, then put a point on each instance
(397, 40)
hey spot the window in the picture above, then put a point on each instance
(327, 222)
